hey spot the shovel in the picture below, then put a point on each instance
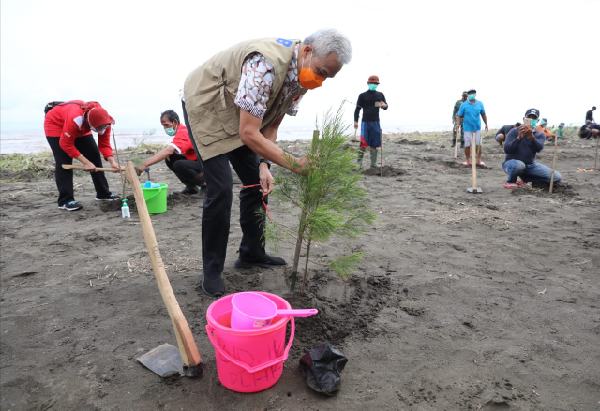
(165, 360)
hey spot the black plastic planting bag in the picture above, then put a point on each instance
(322, 366)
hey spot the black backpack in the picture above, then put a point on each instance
(51, 105)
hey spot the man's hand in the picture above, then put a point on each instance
(500, 138)
(523, 131)
(267, 182)
(139, 170)
(300, 165)
(355, 125)
(486, 127)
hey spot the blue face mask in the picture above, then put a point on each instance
(471, 97)
(170, 131)
(372, 86)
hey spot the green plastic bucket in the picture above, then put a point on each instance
(156, 198)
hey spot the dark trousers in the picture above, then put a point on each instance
(189, 172)
(64, 178)
(218, 198)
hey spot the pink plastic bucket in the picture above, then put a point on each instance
(248, 360)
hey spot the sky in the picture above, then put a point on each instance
(133, 56)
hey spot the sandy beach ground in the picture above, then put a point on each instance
(462, 301)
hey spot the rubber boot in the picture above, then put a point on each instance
(361, 154)
(373, 157)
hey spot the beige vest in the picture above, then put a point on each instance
(210, 89)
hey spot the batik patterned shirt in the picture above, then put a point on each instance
(256, 85)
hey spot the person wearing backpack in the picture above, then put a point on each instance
(68, 128)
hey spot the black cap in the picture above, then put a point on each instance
(533, 112)
(472, 91)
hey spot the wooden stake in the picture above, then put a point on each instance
(381, 159)
(190, 356)
(553, 164)
(456, 141)
(596, 155)
(473, 162)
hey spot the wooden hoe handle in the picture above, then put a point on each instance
(188, 349)
(81, 167)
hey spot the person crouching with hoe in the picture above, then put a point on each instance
(233, 106)
(68, 127)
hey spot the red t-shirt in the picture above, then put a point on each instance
(182, 144)
(66, 122)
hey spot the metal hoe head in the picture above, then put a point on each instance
(474, 190)
(165, 361)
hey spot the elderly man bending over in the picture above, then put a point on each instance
(233, 105)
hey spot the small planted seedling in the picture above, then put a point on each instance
(329, 194)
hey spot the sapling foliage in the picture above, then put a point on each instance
(329, 194)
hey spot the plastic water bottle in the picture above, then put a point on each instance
(125, 209)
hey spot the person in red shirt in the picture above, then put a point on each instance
(68, 127)
(180, 156)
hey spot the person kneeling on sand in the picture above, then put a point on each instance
(68, 127)
(521, 145)
(180, 155)
(589, 130)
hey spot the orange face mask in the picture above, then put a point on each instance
(308, 78)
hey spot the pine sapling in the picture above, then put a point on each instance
(329, 195)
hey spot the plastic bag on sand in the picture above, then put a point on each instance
(322, 366)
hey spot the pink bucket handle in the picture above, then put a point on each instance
(248, 368)
(308, 312)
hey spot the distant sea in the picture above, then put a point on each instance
(34, 141)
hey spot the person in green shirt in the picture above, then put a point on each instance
(560, 132)
(455, 128)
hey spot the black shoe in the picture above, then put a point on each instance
(213, 287)
(189, 190)
(111, 197)
(265, 262)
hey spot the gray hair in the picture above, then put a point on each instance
(327, 41)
